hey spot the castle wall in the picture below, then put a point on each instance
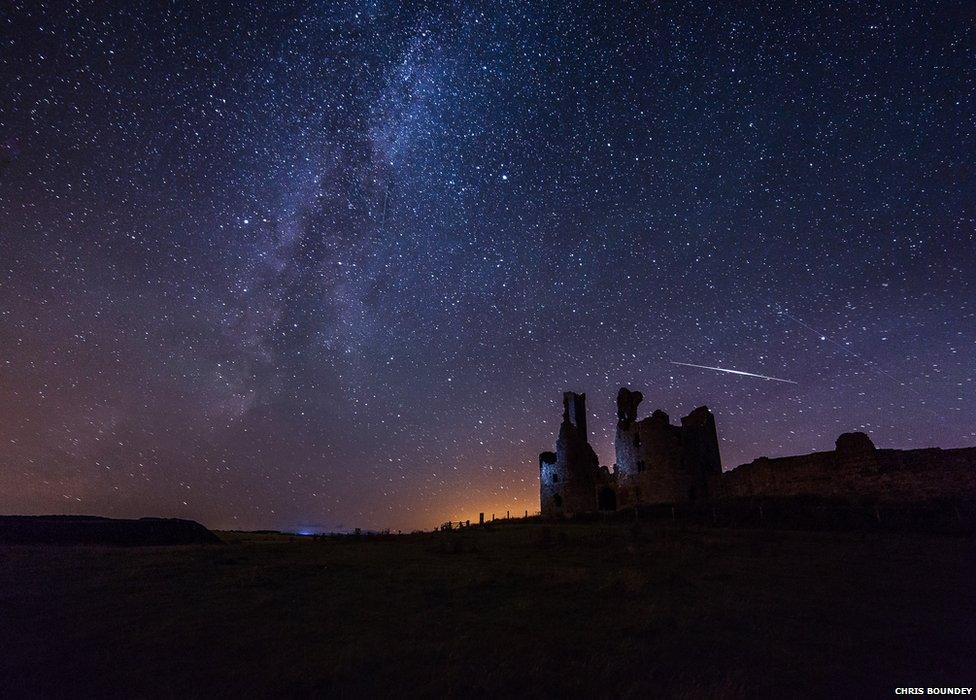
(702, 460)
(549, 485)
(858, 472)
(649, 462)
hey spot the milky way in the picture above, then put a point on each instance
(321, 265)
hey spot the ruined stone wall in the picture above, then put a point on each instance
(858, 471)
(574, 410)
(550, 487)
(702, 460)
(650, 462)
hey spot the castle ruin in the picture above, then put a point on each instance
(571, 477)
(662, 463)
(658, 462)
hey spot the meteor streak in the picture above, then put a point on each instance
(735, 371)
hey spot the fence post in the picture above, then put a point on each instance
(481, 518)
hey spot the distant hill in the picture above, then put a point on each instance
(86, 529)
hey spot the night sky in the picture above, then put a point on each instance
(320, 265)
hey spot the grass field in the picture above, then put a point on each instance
(517, 609)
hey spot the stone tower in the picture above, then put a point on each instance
(569, 477)
(658, 462)
(574, 410)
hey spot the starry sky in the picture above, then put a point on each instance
(331, 265)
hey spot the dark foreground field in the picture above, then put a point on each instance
(521, 609)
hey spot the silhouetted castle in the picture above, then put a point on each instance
(657, 462)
